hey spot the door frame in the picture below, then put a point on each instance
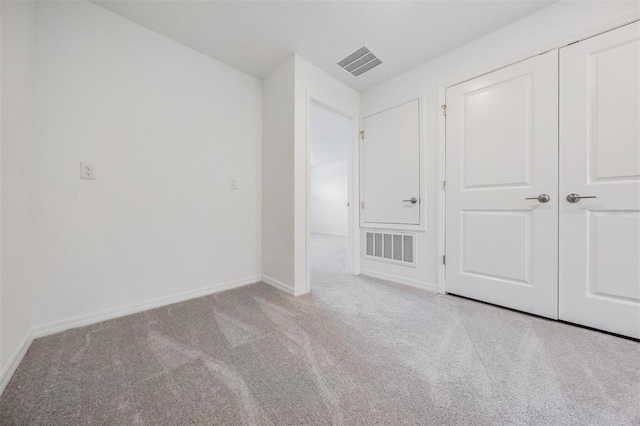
(353, 183)
(442, 139)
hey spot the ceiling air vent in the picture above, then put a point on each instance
(359, 62)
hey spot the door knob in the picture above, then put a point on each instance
(412, 201)
(574, 198)
(543, 198)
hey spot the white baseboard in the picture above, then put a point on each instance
(107, 314)
(279, 285)
(331, 234)
(14, 361)
(301, 292)
(400, 280)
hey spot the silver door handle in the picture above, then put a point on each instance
(543, 198)
(574, 198)
(412, 201)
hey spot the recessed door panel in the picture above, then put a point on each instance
(509, 234)
(501, 155)
(614, 268)
(498, 121)
(600, 161)
(612, 76)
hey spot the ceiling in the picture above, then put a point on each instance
(256, 36)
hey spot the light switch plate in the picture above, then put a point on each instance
(87, 170)
(233, 183)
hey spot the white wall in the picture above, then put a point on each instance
(328, 198)
(552, 27)
(166, 127)
(17, 26)
(328, 135)
(277, 175)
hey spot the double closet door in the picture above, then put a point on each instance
(543, 184)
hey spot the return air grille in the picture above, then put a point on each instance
(359, 62)
(389, 247)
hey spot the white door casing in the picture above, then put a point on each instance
(502, 147)
(391, 166)
(600, 156)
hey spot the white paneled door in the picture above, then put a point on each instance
(502, 187)
(600, 163)
(391, 166)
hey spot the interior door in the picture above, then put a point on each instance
(391, 166)
(502, 153)
(600, 162)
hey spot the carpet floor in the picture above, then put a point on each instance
(356, 351)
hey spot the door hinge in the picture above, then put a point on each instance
(362, 204)
(362, 134)
(444, 110)
(444, 259)
(444, 185)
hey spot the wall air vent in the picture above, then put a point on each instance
(391, 247)
(359, 62)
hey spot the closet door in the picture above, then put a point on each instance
(600, 165)
(502, 187)
(391, 166)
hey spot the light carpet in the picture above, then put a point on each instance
(356, 351)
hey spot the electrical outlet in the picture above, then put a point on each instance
(87, 171)
(233, 183)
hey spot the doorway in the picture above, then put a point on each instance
(329, 136)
